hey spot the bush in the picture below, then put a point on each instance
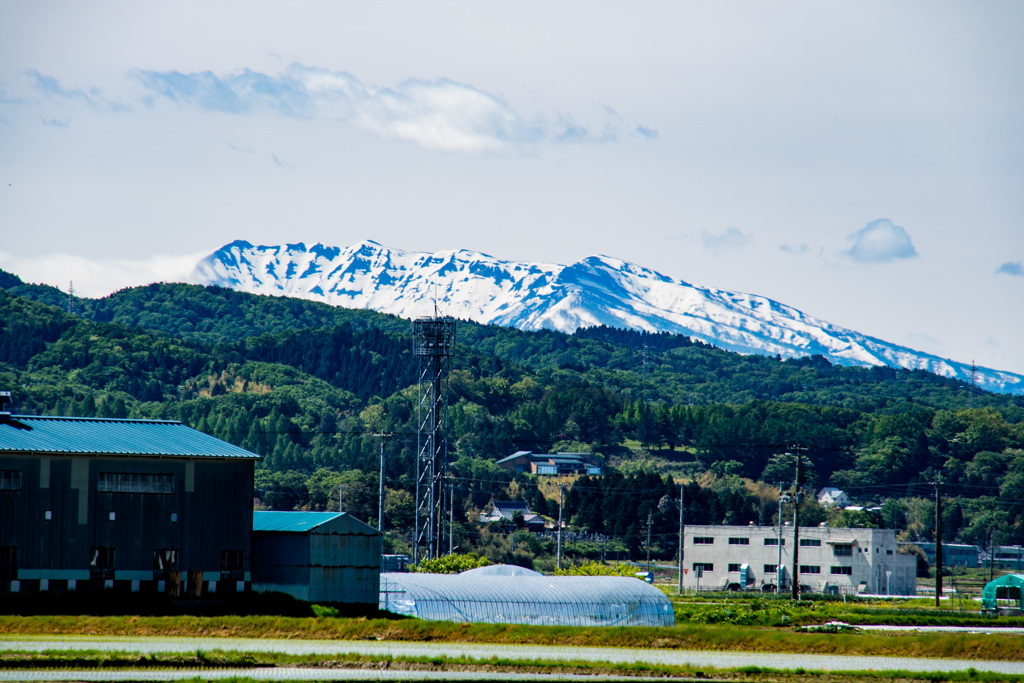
(321, 611)
(450, 564)
(599, 569)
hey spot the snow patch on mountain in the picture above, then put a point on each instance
(597, 290)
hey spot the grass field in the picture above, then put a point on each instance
(722, 637)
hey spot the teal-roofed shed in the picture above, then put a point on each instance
(92, 504)
(322, 557)
(1003, 593)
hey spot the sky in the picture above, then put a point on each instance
(862, 162)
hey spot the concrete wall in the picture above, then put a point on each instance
(872, 552)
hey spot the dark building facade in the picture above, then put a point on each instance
(132, 505)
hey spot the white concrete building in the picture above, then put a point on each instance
(833, 497)
(832, 560)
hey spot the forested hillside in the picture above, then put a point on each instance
(304, 384)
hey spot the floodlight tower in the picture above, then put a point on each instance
(433, 341)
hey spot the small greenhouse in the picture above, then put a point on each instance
(1003, 593)
(503, 594)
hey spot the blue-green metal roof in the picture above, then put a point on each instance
(294, 522)
(103, 436)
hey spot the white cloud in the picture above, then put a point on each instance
(727, 241)
(93, 99)
(880, 242)
(99, 277)
(442, 114)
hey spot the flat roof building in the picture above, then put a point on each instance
(832, 560)
(953, 554)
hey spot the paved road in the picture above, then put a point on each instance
(484, 652)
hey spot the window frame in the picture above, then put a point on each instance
(160, 483)
(10, 480)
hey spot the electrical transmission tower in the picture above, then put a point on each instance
(433, 341)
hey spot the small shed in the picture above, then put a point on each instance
(328, 557)
(1003, 593)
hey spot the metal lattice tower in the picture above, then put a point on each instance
(433, 341)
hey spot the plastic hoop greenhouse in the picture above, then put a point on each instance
(503, 594)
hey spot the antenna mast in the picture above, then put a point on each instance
(433, 341)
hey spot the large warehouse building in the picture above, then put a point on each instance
(132, 505)
(831, 560)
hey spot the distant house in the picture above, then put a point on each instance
(506, 510)
(833, 497)
(551, 463)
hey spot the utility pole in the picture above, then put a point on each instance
(341, 498)
(938, 539)
(682, 490)
(561, 488)
(451, 518)
(779, 575)
(797, 498)
(380, 498)
(650, 523)
(991, 554)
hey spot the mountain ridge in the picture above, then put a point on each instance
(596, 290)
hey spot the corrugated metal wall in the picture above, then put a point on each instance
(338, 561)
(209, 511)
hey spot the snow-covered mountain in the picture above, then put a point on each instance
(530, 296)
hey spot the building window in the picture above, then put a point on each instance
(773, 541)
(703, 567)
(771, 568)
(134, 482)
(739, 541)
(848, 571)
(888, 552)
(703, 540)
(232, 565)
(101, 564)
(810, 569)
(10, 480)
(842, 550)
(810, 542)
(734, 567)
(8, 562)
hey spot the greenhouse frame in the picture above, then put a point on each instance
(503, 594)
(1003, 593)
